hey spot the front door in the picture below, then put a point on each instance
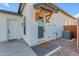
(12, 29)
(40, 28)
(40, 31)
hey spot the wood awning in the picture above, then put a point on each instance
(46, 7)
(47, 14)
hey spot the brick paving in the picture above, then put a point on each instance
(44, 48)
(68, 48)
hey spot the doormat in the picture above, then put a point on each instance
(45, 50)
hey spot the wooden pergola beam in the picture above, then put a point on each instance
(78, 37)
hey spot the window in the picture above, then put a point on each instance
(24, 26)
(66, 23)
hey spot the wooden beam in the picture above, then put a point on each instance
(78, 37)
(45, 9)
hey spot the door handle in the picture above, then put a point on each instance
(8, 31)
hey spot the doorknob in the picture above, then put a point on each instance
(8, 31)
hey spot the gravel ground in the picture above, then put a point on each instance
(68, 48)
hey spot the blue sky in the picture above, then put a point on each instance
(9, 6)
(71, 8)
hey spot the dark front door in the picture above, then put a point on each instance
(40, 31)
(40, 28)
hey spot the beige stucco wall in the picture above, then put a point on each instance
(69, 18)
(4, 26)
(55, 25)
(31, 26)
(3, 29)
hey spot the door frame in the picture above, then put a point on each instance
(8, 20)
(41, 25)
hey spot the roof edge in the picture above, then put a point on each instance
(62, 10)
(9, 12)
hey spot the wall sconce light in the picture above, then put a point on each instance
(22, 24)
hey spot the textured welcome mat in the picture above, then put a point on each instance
(45, 49)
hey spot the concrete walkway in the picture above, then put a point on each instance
(20, 48)
(15, 48)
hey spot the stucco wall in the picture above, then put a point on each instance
(31, 29)
(27, 36)
(55, 25)
(3, 29)
(4, 26)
